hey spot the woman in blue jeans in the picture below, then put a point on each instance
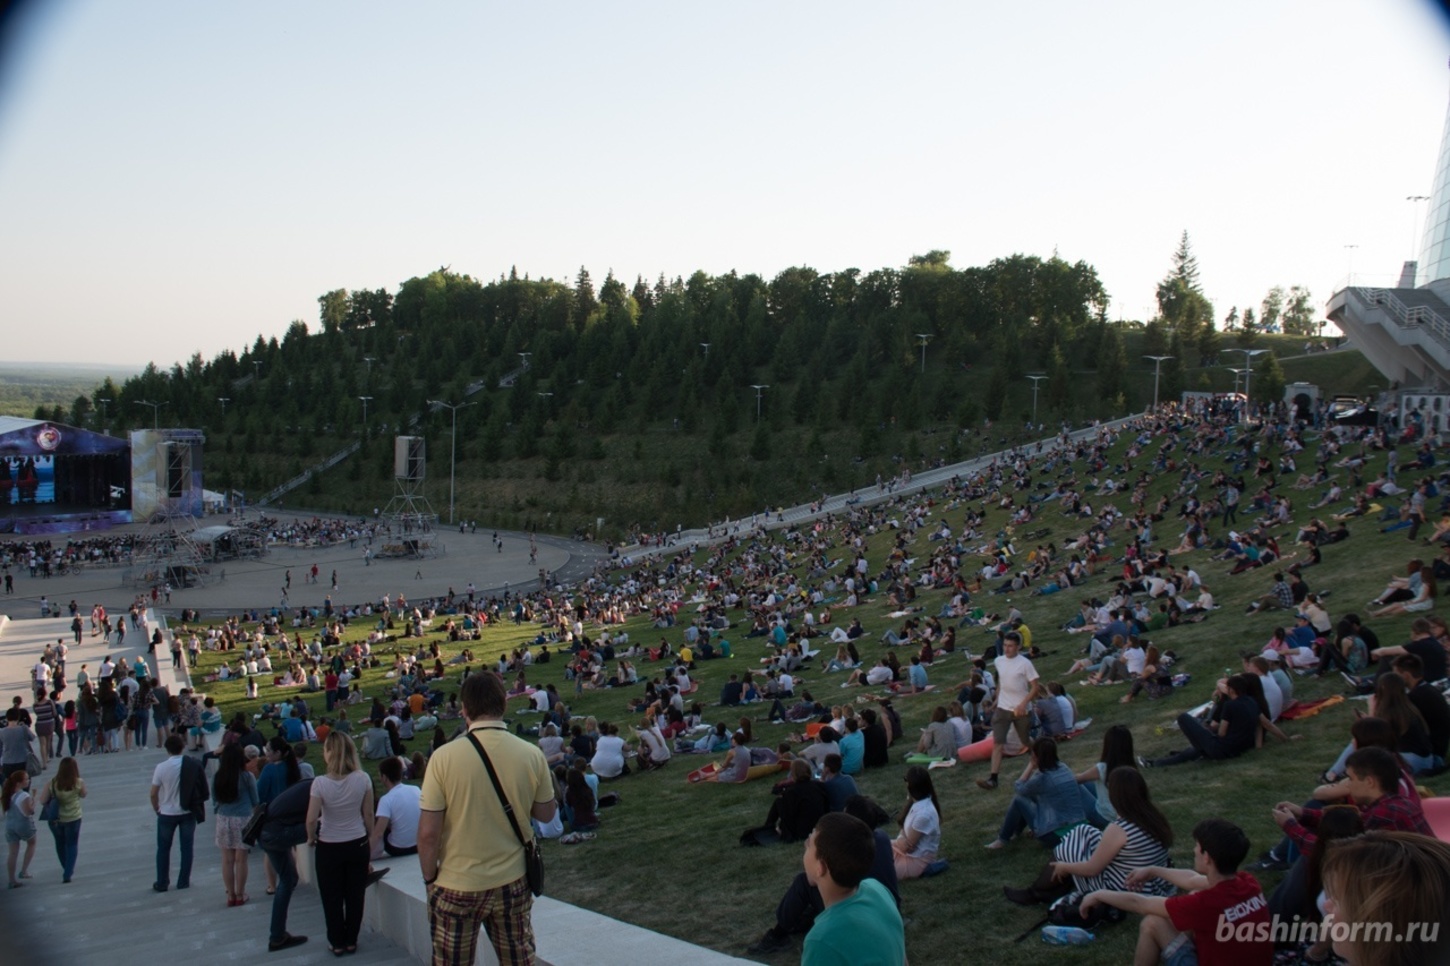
(68, 789)
(285, 827)
(1046, 801)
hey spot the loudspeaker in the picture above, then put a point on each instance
(410, 458)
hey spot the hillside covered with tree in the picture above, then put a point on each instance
(655, 403)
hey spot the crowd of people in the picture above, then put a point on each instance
(1109, 841)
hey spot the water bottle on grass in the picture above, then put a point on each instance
(1066, 936)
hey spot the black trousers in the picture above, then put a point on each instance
(799, 907)
(342, 870)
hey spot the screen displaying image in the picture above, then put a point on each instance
(27, 480)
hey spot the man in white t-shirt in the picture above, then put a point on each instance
(1017, 687)
(395, 827)
(170, 789)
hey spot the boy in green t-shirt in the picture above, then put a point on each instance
(860, 925)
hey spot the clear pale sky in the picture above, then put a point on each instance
(180, 176)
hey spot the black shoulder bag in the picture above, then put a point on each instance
(533, 858)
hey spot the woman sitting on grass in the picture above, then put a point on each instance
(1047, 799)
(916, 847)
(1401, 588)
(1423, 599)
(938, 740)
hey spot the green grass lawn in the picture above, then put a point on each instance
(667, 858)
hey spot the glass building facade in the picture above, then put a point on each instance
(1435, 257)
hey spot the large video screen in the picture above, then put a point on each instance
(26, 480)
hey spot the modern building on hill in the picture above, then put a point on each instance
(1405, 331)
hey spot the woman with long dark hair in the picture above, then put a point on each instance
(280, 773)
(233, 796)
(1138, 838)
(1117, 752)
(920, 820)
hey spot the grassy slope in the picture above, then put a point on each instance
(668, 858)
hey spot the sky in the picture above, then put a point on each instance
(179, 177)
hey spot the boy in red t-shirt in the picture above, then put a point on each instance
(1222, 921)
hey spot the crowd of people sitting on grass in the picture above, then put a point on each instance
(1109, 842)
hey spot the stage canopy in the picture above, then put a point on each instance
(56, 478)
(20, 438)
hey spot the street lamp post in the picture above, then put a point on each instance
(105, 427)
(1237, 373)
(1157, 368)
(1349, 269)
(1036, 382)
(224, 400)
(256, 369)
(370, 360)
(758, 391)
(524, 357)
(1248, 376)
(365, 401)
(706, 346)
(452, 449)
(924, 337)
(155, 412)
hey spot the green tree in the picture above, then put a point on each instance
(996, 396)
(1231, 321)
(1170, 387)
(1271, 309)
(1209, 344)
(1248, 330)
(1181, 302)
(1059, 382)
(333, 309)
(1299, 312)
(1112, 367)
(1269, 380)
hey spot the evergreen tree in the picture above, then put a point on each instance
(1059, 382)
(1112, 367)
(1268, 386)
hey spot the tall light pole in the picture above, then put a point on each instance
(365, 401)
(155, 412)
(256, 369)
(925, 337)
(1036, 382)
(1248, 375)
(370, 360)
(758, 391)
(452, 448)
(1157, 367)
(524, 357)
(706, 346)
(1349, 269)
(224, 400)
(1237, 373)
(104, 422)
(545, 395)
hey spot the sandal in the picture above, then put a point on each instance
(243, 899)
(272, 891)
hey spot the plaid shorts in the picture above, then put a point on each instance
(506, 912)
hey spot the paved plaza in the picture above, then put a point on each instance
(109, 914)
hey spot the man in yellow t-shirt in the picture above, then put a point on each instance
(473, 864)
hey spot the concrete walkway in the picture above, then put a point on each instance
(109, 913)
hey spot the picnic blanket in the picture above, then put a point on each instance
(1308, 709)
